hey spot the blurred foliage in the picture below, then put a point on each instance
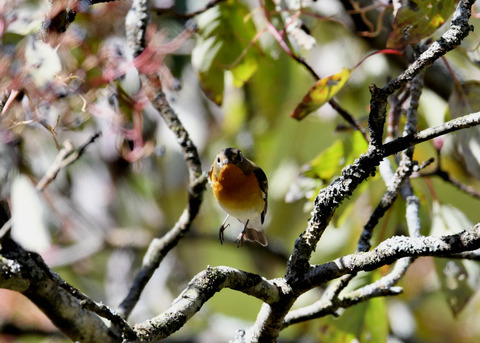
(239, 86)
(417, 20)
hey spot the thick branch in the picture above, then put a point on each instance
(275, 292)
(202, 287)
(26, 273)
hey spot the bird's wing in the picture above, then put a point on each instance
(262, 181)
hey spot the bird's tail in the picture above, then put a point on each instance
(254, 235)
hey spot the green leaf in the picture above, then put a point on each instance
(332, 334)
(225, 42)
(375, 328)
(366, 321)
(418, 19)
(323, 90)
(355, 146)
(327, 164)
(330, 162)
(457, 283)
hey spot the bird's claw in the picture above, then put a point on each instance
(239, 240)
(220, 233)
(240, 237)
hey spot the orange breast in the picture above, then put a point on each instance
(237, 193)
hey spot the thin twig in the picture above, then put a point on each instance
(348, 118)
(393, 249)
(66, 156)
(280, 38)
(444, 175)
(401, 143)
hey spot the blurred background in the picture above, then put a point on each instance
(99, 215)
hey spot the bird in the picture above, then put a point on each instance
(241, 188)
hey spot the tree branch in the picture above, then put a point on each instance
(404, 142)
(325, 306)
(136, 24)
(26, 273)
(66, 156)
(444, 175)
(342, 187)
(159, 247)
(274, 292)
(459, 29)
(393, 188)
(391, 250)
(329, 198)
(202, 287)
(396, 183)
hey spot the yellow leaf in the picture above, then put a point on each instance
(321, 93)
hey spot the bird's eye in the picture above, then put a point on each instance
(218, 159)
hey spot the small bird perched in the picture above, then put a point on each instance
(240, 187)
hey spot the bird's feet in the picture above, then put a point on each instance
(241, 236)
(220, 232)
(240, 239)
